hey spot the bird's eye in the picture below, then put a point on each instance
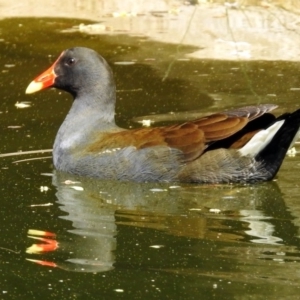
(71, 61)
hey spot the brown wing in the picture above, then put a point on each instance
(192, 138)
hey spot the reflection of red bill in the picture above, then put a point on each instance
(40, 233)
(43, 262)
(48, 243)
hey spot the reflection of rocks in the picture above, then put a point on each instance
(96, 209)
(221, 31)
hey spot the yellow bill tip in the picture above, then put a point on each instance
(34, 87)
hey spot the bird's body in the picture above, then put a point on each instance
(241, 145)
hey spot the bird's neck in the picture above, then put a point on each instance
(87, 118)
(90, 110)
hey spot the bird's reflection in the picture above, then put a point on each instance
(96, 209)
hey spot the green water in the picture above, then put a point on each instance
(139, 241)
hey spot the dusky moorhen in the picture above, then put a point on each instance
(243, 145)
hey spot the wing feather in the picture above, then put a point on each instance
(191, 138)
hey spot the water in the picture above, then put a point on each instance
(111, 240)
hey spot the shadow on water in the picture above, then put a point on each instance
(72, 238)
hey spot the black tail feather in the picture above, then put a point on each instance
(273, 154)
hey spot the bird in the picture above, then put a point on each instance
(241, 145)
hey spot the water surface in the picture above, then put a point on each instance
(113, 240)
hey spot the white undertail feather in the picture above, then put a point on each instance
(260, 140)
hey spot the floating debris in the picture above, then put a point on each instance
(131, 90)
(292, 152)
(14, 126)
(47, 174)
(146, 123)
(124, 63)
(92, 28)
(158, 190)
(31, 159)
(44, 189)
(44, 204)
(174, 187)
(157, 246)
(24, 152)
(23, 104)
(9, 65)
